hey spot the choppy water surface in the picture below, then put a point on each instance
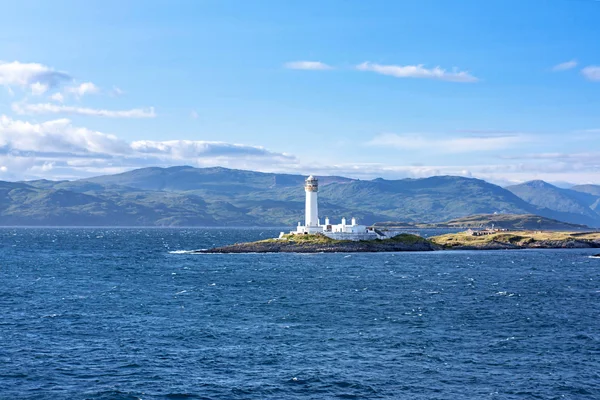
(119, 314)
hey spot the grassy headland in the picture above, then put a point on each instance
(518, 239)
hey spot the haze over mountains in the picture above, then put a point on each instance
(187, 196)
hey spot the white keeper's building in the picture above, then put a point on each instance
(312, 223)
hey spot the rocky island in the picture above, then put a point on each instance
(500, 240)
(318, 243)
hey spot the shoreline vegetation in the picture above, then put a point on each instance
(502, 240)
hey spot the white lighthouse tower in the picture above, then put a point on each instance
(311, 218)
(312, 225)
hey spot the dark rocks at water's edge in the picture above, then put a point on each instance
(406, 243)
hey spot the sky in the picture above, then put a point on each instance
(502, 90)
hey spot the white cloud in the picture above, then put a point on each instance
(190, 149)
(26, 75)
(418, 71)
(194, 114)
(38, 89)
(499, 173)
(57, 136)
(565, 66)
(58, 149)
(57, 97)
(463, 144)
(591, 73)
(308, 65)
(48, 108)
(83, 89)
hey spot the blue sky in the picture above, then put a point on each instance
(502, 90)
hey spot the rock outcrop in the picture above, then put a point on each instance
(323, 244)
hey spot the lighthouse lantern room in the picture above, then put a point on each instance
(311, 210)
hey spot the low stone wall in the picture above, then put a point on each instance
(351, 236)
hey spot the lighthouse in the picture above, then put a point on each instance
(311, 217)
(342, 231)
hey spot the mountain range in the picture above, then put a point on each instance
(188, 196)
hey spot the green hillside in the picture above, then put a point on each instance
(569, 204)
(594, 190)
(186, 196)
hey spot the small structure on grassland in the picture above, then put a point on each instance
(485, 232)
(342, 231)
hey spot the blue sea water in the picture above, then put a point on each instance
(103, 313)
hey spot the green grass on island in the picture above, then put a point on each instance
(406, 238)
(312, 238)
(518, 238)
(322, 239)
(461, 239)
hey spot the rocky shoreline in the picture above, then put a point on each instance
(408, 242)
(320, 244)
(346, 247)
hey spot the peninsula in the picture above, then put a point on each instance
(501, 240)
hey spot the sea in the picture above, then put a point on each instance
(128, 313)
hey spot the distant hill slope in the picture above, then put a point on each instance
(594, 190)
(573, 205)
(187, 178)
(187, 196)
(511, 221)
(426, 200)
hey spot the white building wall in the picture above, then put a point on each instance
(311, 212)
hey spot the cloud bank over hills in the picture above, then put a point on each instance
(53, 135)
(58, 144)
(58, 148)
